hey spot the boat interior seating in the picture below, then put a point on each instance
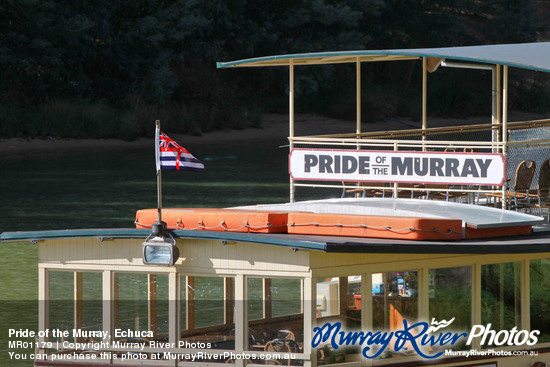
(542, 191)
(405, 190)
(521, 196)
(368, 189)
(464, 150)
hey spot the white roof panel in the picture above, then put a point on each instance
(473, 216)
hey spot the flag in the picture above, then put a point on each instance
(171, 155)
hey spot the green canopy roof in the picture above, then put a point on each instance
(535, 56)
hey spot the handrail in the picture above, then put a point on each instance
(435, 130)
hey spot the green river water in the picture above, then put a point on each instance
(103, 189)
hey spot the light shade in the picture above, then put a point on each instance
(160, 251)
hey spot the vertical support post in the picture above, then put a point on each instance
(115, 305)
(267, 299)
(152, 302)
(358, 103)
(229, 301)
(476, 301)
(159, 176)
(43, 303)
(291, 120)
(108, 297)
(499, 101)
(310, 319)
(173, 308)
(190, 303)
(504, 126)
(241, 318)
(424, 98)
(395, 191)
(525, 295)
(78, 302)
(367, 306)
(494, 106)
(501, 295)
(343, 295)
(424, 295)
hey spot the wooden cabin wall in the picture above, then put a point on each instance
(204, 256)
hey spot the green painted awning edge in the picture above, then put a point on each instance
(534, 56)
(134, 233)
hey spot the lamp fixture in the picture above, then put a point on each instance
(160, 247)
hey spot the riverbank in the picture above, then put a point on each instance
(274, 130)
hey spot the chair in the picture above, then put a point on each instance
(520, 196)
(410, 190)
(366, 189)
(285, 334)
(282, 346)
(543, 186)
(443, 192)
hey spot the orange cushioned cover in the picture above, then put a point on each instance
(375, 226)
(472, 233)
(230, 220)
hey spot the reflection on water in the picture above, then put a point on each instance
(103, 189)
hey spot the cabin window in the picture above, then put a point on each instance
(275, 313)
(256, 306)
(286, 296)
(140, 304)
(207, 312)
(77, 294)
(500, 296)
(450, 295)
(539, 276)
(394, 299)
(61, 301)
(339, 300)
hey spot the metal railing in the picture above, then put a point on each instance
(528, 140)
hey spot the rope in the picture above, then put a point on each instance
(223, 226)
(386, 228)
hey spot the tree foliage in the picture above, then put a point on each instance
(161, 54)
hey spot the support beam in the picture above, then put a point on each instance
(310, 319)
(343, 295)
(291, 119)
(241, 318)
(424, 94)
(78, 302)
(525, 297)
(358, 96)
(367, 306)
(110, 297)
(495, 96)
(173, 308)
(267, 299)
(499, 100)
(152, 309)
(229, 301)
(43, 303)
(476, 301)
(190, 303)
(504, 126)
(424, 294)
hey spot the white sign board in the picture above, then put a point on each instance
(390, 166)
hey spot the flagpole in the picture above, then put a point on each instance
(159, 223)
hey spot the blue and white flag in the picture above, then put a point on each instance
(171, 155)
